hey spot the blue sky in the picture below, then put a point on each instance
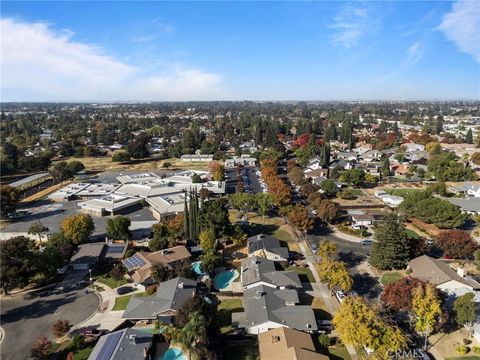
(85, 51)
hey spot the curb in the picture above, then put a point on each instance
(77, 326)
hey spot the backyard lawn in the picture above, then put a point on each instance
(338, 353)
(121, 302)
(224, 314)
(248, 350)
(305, 274)
(412, 234)
(390, 277)
(111, 282)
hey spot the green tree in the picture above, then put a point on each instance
(8, 200)
(384, 167)
(329, 187)
(465, 310)
(214, 214)
(121, 156)
(264, 203)
(192, 337)
(117, 228)
(160, 273)
(207, 240)
(17, 262)
(78, 228)
(209, 261)
(38, 229)
(159, 240)
(469, 136)
(390, 249)
(353, 176)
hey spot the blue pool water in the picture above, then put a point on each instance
(223, 279)
(173, 354)
(196, 268)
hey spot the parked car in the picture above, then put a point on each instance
(124, 290)
(340, 295)
(295, 256)
(366, 242)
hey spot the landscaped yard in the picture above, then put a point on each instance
(121, 302)
(224, 314)
(111, 282)
(304, 273)
(338, 353)
(390, 277)
(412, 234)
(248, 350)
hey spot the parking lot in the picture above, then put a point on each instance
(251, 181)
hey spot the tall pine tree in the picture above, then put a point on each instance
(390, 249)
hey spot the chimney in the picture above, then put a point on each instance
(461, 271)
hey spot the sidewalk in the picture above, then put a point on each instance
(104, 318)
(320, 290)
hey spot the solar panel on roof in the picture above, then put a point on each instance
(109, 346)
(133, 262)
(116, 249)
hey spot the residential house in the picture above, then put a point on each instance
(257, 271)
(268, 247)
(342, 164)
(466, 189)
(140, 264)
(171, 295)
(401, 169)
(314, 164)
(197, 157)
(409, 147)
(125, 344)
(468, 205)
(87, 256)
(318, 173)
(287, 344)
(362, 220)
(347, 155)
(444, 277)
(268, 308)
(371, 155)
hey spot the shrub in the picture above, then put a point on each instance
(117, 272)
(78, 343)
(462, 350)
(476, 350)
(324, 340)
(152, 289)
(60, 328)
(467, 341)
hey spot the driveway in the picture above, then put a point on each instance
(355, 255)
(25, 319)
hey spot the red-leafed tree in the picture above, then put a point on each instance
(397, 296)
(60, 327)
(301, 141)
(41, 348)
(456, 244)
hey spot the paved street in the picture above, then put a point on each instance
(25, 319)
(231, 180)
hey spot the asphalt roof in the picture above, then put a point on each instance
(87, 253)
(28, 179)
(256, 269)
(171, 295)
(266, 242)
(126, 344)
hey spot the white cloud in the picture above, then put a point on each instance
(462, 26)
(40, 64)
(414, 53)
(351, 23)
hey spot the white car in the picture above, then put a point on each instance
(340, 295)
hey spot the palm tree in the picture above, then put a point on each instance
(192, 337)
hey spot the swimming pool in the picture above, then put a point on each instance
(223, 279)
(196, 267)
(173, 354)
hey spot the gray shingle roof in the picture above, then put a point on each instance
(268, 243)
(171, 295)
(126, 344)
(87, 253)
(263, 304)
(256, 269)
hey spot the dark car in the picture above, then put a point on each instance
(295, 256)
(124, 290)
(238, 255)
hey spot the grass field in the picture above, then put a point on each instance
(338, 353)
(402, 192)
(390, 277)
(111, 282)
(248, 350)
(412, 234)
(224, 314)
(121, 302)
(103, 163)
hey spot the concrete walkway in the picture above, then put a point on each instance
(105, 318)
(321, 290)
(346, 237)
